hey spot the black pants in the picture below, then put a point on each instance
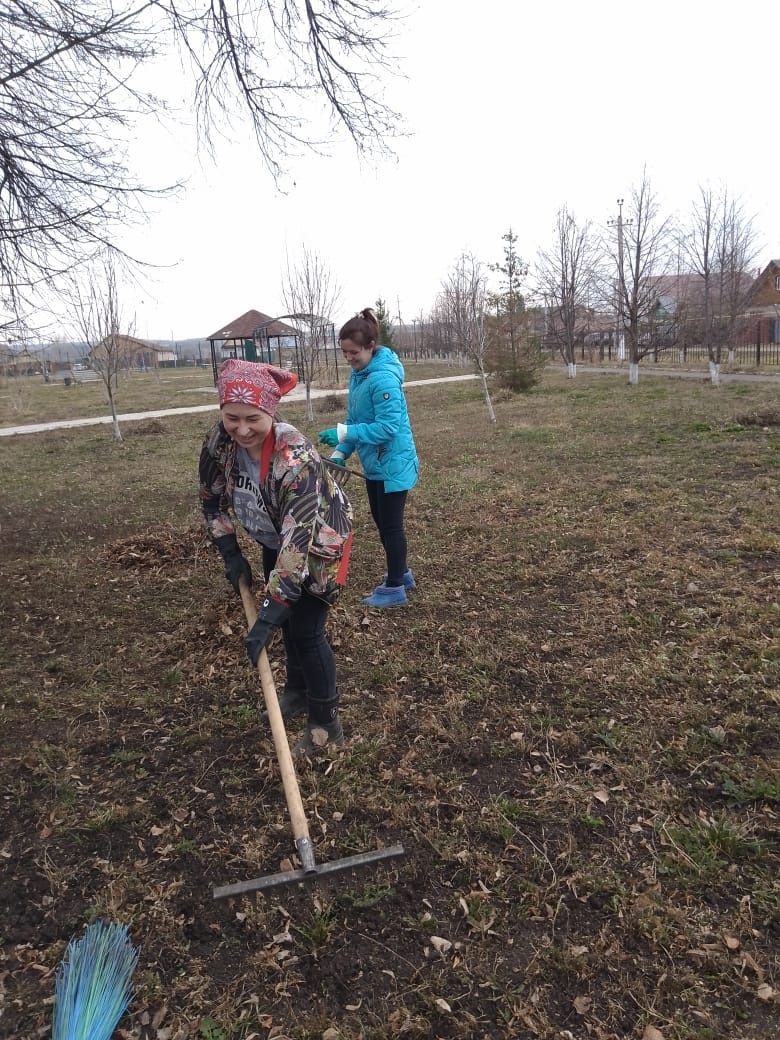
(311, 666)
(387, 509)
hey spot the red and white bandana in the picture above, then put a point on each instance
(249, 382)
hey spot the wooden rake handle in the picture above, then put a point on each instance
(300, 826)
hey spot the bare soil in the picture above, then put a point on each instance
(572, 730)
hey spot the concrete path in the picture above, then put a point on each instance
(298, 395)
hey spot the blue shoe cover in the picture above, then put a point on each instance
(386, 596)
(409, 582)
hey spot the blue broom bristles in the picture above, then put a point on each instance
(92, 986)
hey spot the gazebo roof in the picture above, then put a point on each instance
(244, 327)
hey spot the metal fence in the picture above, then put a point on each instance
(752, 355)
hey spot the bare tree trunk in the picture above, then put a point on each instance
(114, 417)
(486, 394)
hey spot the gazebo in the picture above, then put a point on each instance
(255, 336)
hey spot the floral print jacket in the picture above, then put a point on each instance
(309, 510)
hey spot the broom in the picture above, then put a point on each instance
(92, 984)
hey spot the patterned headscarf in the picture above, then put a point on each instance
(248, 382)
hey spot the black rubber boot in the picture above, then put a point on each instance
(317, 735)
(292, 703)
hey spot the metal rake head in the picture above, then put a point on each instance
(341, 474)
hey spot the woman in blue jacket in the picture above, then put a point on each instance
(378, 428)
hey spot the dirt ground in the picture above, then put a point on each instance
(572, 729)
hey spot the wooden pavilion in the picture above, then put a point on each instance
(255, 336)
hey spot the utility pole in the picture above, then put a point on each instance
(620, 338)
(400, 326)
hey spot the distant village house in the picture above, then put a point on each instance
(138, 353)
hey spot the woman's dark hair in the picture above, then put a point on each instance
(363, 329)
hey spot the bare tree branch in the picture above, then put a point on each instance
(69, 105)
(565, 279)
(648, 254)
(311, 295)
(464, 302)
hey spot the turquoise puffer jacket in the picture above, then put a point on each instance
(378, 426)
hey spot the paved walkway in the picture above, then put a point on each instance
(299, 394)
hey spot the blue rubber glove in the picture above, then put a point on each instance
(329, 437)
(338, 458)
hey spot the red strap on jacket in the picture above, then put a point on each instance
(341, 576)
(266, 452)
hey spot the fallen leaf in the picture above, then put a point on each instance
(443, 1006)
(651, 1033)
(226, 630)
(582, 1005)
(765, 991)
(601, 796)
(441, 946)
(732, 942)
(159, 1016)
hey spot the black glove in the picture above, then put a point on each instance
(272, 614)
(236, 565)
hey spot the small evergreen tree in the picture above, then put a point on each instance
(513, 353)
(385, 326)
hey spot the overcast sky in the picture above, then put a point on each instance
(511, 110)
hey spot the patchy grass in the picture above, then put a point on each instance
(27, 399)
(572, 729)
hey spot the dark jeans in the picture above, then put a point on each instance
(311, 666)
(387, 509)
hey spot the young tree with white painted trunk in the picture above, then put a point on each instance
(646, 253)
(719, 244)
(464, 301)
(310, 294)
(98, 316)
(565, 277)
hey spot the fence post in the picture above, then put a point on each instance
(758, 345)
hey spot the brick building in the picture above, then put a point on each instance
(762, 312)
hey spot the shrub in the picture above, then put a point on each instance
(331, 403)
